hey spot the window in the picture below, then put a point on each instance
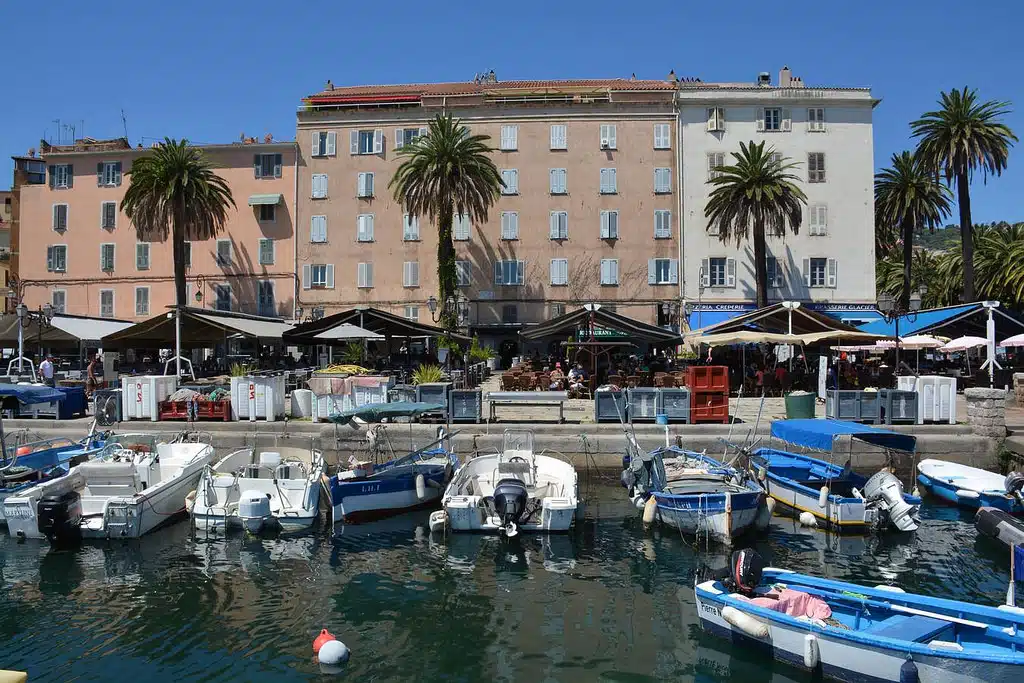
(816, 120)
(106, 303)
(411, 274)
(820, 272)
(410, 228)
(188, 254)
(607, 136)
(318, 229)
(319, 189)
(609, 271)
(142, 256)
(510, 181)
(663, 271)
(662, 224)
(509, 273)
(364, 227)
(412, 312)
(58, 299)
(608, 184)
(662, 180)
(662, 136)
(818, 219)
(318, 276)
(266, 165)
(816, 167)
(325, 143)
(559, 271)
(60, 217)
(364, 185)
(775, 158)
(609, 225)
(108, 215)
(509, 138)
(223, 293)
(716, 119)
(463, 273)
(558, 181)
(366, 141)
(460, 227)
(559, 139)
(774, 270)
(62, 176)
(559, 225)
(364, 275)
(265, 304)
(141, 301)
(557, 310)
(772, 119)
(407, 136)
(509, 225)
(224, 253)
(719, 272)
(510, 314)
(268, 213)
(108, 173)
(107, 258)
(266, 251)
(715, 161)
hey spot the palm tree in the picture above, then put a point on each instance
(447, 172)
(961, 137)
(907, 199)
(174, 192)
(756, 193)
(925, 265)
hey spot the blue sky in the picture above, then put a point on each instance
(211, 70)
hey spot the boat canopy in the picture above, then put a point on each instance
(30, 393)
(821, 434)
(374, 412)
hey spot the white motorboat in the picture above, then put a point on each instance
(260, 490)
(512, 491)
(130, 488)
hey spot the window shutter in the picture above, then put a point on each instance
(314, 152)
(613, 224)
(712, 123)
(673, 271)
(353, 142)
(99, 173)
(611, 136)
(807, 272)
(332, 143)
(71, 175)
(361, 184)
(615, 270)
(497, 273)
(277, 166)
(720, 117)
(399, 138)
(760, 119)
(49, 259)
(787, 120)
(520, 271)
(705, 267)
(652, 271)
(378, 141)
(821, 119)
(307, 276)
(553, 226)
(604, 225)
(730, 272)
(554, 271)
(53, 175)
(329, 275)
(833, 272)
(822, 219)
(563, 265)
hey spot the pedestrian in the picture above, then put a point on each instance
(90, 376)
(46, 371)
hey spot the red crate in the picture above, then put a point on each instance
(709, 406)
(208, 410)
(708, 378)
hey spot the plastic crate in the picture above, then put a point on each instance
(257, 397)
(141, 395)
(898, 406)
(402, 392)
(370, 390)
(467, 405)
(435, 392)
(609, 406)
(709, 406)
(674, 404)
(708, 378)
(205, 410)
(643, 404)
(325, 405)
(936, 397)
(852, 405)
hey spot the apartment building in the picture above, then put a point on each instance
(589, 211)
(6, 222)
(827, 133)
(81, 254)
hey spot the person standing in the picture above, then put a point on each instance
(90, 377)
(46, 371)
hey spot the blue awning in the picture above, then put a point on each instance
(921, 322)
(30, 393)
(821, 434)
(700, 319)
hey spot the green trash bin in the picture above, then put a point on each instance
(800, 406)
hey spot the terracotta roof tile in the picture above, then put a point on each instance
(470, 88)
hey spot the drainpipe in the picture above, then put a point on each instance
(679, 196)
(296, 276)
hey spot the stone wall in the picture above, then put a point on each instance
(1018, 387)
(986, 412)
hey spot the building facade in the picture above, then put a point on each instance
(589, 212)
(827, 134)
(6, 223)
(81, 254)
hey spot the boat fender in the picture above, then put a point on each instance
(745, 622)
(650, 507)
(762, 474)
(190, 501)
(438, 520)
(964, 493)
(764, 514)
(769, 503)
(811, 655)
(333, 653)
(891, 589)
(421, 486)
(324, 636)
(807, 519)
(916, 493)
(823, 496)
(908, 672)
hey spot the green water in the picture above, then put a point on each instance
(609, 602)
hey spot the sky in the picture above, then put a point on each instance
(211, 70)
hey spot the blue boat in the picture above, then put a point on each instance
(823, 493)
(369, 490)
(971, 487)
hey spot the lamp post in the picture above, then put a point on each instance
(670, 310)
(454, 308)
(891, 311)
(990, 345)
(43, 318)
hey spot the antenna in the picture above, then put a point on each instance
(57, 123)
(124, 122)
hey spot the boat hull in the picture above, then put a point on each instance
(372, 498)
(967, 487)
(712, 514)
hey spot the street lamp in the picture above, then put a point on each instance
(455, 308)
(892, 310)
(670, 311)
(43, 318)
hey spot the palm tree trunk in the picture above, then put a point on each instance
(447, 280)
(963, 191)
(760, 265)
(908, 258)
(178, 252)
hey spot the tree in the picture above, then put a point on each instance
(756, 194)
(963, 136)
(444, 173)
(925, 265)
(908, 199)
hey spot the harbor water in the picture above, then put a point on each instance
(609, 602)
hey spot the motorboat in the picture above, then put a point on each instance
(823, 493)
(384, 483)
(136, 483)
(511, 491)
(260, 489)
(850, 632)
(971, 487)
(1000, 525)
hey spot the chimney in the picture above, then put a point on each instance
(764, 78)
(671, 78)
(31, 151)
(785, 76)
(330, 86)
(633, 76)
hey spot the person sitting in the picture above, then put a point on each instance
(557, 378)
(577, 378)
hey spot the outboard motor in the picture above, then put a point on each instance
(1014, 484)
(885, 490)
(510, 496)
(745, 568)
(59, 518)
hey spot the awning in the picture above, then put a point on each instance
(776, 319)
(200, 328)
(265, 199)
(62, 329)
(699, 319)
(347, 331)
(757, 337)
(372, 319)
(821, 434)
(594, 323)
(951, 321)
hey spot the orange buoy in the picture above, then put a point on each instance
(324, 637)
(23, 450)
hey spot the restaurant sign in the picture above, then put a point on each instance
(584, 333)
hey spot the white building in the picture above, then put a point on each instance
(826, 131)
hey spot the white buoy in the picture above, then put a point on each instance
(811, 655)
(964, 493)
(770, 504)
(891, 589)
(807, 519)
(823, 496)
(649, 509)
(333, 653)
(421, 486)
(745, 622)
(916, 493)
(762, 474)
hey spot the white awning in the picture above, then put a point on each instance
(264, 329)
(262, 199)
(88, 329)
(348, 331)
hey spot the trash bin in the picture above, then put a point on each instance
(800, 405)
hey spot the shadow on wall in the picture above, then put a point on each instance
(793, 287)
(248, 293)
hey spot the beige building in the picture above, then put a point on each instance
(588, 214)
(6, 223)
(80, 253)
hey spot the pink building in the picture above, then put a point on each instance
(79, 252)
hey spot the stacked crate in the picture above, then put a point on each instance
(709, 393)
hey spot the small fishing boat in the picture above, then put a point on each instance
(822, 493)
(29, 464)
(1000, 525)
(511, 491)
(260, 489)
(370, 489)
(849, 632)
(971, 487)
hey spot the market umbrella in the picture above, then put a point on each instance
(1015, 340)
(963, 344)
(920, 341)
